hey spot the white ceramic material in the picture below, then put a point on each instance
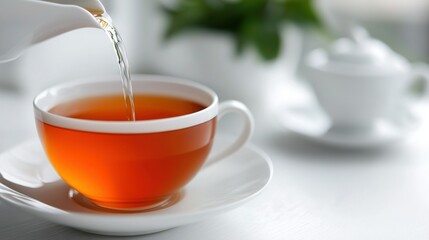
(359, 80)
(26, 22)
(33, 186)
(311, 122)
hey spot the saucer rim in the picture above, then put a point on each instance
(371, 140)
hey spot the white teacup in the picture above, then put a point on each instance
(133, 165)
(359, 81)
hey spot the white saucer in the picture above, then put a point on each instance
(34, 187)
(309, 121)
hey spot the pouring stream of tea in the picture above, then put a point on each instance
(121, 55)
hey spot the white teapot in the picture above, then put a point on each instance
(26, 22)
(359, 80)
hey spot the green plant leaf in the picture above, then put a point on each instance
(264, 36)
(185, 17)
(253, 23)
(300, 12)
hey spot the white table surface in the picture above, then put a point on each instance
(316, 192)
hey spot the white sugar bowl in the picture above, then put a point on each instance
(358, 80)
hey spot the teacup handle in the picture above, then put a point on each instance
(233, 107)
(421, 70)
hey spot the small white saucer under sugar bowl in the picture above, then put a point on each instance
(359, 81)
(310, 122)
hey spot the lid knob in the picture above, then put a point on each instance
(358, 54)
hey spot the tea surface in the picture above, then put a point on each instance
(112, 108)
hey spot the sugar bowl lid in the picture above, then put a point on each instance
(358, 55)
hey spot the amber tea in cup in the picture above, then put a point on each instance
(131, 165)
(171, 156)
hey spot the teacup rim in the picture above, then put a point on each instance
(128, 127)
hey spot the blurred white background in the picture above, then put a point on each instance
(204, 56)
(210, 57)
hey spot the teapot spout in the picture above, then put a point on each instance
(93, 6)
(64, 18)
(24, 23)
